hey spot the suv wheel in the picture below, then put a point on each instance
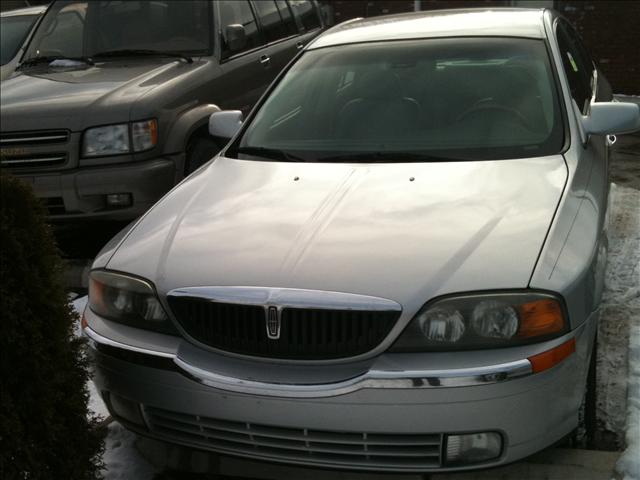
(199, 151)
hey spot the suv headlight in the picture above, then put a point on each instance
(109, 140)
(489, 320)
(128, 300)
(120, 139)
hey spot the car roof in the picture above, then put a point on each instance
(508, 22)
(37, 10)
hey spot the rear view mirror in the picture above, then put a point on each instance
(611, 118)
(225, 124)
(236, 37)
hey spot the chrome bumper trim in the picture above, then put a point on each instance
(376, 379)
(100, 340)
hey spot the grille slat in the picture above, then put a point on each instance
(45, 160)
(306, 334)
(346, 448)
(41, 137)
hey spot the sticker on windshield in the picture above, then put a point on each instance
(573, 62)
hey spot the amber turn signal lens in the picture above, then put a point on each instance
(545, 360)
(542, 317)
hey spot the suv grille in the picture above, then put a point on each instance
(33, 160)
(42, 137)
(349, 449)
(17, 148)
(305, 334)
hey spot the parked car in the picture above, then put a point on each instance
(396, 264)
(15, 28)
(111, 107)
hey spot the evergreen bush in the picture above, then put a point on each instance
(45, 432)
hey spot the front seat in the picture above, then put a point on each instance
(379, 111)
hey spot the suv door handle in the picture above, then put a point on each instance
(264, 60)
(299, 45)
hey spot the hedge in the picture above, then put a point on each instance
(45, 432)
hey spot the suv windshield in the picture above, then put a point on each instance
(90, 28)
(13, 32)
(424, 100)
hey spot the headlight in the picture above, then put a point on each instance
(127, 300)
(109, 140)
(114, 139)
(484, 321)
(144, 135)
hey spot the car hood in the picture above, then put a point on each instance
(406, 232)
(77, 98)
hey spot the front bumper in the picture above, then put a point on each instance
(396, 423)
(80, 194)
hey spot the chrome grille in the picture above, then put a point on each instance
(47, 160)
(348, 449)
(306, 334)
(41, 137)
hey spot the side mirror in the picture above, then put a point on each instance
(611, 118)
(225, 124)
(236, 37)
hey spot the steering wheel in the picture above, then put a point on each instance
(484, 106)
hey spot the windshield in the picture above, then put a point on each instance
(84, 29)
(13, 33)
(434, 99)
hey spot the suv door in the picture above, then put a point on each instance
(246, 69)
(280, 31)
(308, 19)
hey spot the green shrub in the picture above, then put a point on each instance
(44, 429)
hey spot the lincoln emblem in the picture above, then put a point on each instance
(273, 323)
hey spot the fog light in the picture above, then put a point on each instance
(119, 200)
(473, 448)
(125, 409)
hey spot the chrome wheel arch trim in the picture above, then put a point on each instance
(377, 379)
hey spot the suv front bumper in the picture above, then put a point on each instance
(81, 194)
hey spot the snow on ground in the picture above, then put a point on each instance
(628, 465)
(621, 305)
(621, 316)
(121, 459)
(96, 405)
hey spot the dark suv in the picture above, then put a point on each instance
(110, 105)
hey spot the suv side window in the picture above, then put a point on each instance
(306, 14)
(234, 12)
(287, 17)
(577, 66)
(271, 22)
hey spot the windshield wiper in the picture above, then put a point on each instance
(386, 157)
(141, 52)
(269, 153)
(29, 62)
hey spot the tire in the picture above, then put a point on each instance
(584, 435)
(199, 151)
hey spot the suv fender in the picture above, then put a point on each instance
(185, 125)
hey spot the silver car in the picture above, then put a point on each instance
(396, 263)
